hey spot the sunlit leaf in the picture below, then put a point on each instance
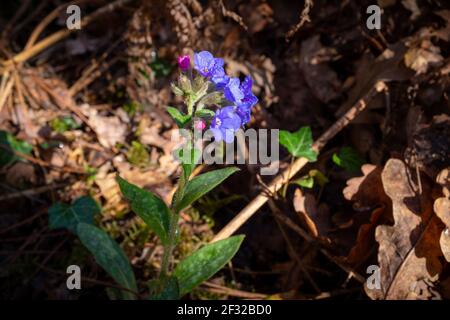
(148, 206)
(299, 143)
(205, 262)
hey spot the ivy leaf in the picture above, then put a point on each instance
(148, 206)
(205, 262)
(10, 144)
(299, 143)
(312, 177)
(180, 118)
(318, 176)
(348, 159)
(202, 184)
(305, 182)
(62, 215)
(109, 256)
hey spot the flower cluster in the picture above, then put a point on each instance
(236, 100)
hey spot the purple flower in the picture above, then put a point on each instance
(244, 106)
(206, 64)
(184, 62)
(244, 112)
(219, 78)
(249, 98)
(225, 123)
(233, 92)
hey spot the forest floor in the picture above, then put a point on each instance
(78, 107)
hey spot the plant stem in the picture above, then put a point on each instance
(168, 248)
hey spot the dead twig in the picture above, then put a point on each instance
(304, 17)
(295, 167)
(47, 20)
(212, 287)
(276, 213)
(61, 34)
(31, 192)
(233, 15)
(288, 222)
(43, 163)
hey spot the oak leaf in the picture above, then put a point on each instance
(408, 253)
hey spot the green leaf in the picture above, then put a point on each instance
(161, 67)
(63, 124)
(202, 184)
(306, 182)
(109, 256)
(137, 155)
(148, 206)
(318, 176)
(299, 143)
(170, 291)
(204, 113)
(132, 107)
(188, 163)
(62, 215)
(180, 118)
(205, 262)
(9, 145)
(188, 160)
(348, 159)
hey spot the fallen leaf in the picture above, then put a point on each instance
(412, 6)
(422, 57)
(442, 209)
(366, 191)
(429, 146)
(114, 201)
(316, 219)
(321, 78)
(408, 253)
(368, 197)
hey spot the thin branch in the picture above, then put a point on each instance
(304, 17)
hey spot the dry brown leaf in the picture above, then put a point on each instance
(322, 80)
(369, 198)
(153, 179)
(114, 201)
(429, 146)
(412, 6)
(420, 58)
(367, 191)
(442, 210)
(316, 218)
(110, 130)
(408, 253)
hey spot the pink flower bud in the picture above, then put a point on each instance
(199, 124)
(184, 62)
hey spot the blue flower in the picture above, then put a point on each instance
(233, 92)
(249, 99)
(225, 123)
(244, 111)
(219, 78)
(242, 96)
(206, 64)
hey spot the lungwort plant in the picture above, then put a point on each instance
(212, 99)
